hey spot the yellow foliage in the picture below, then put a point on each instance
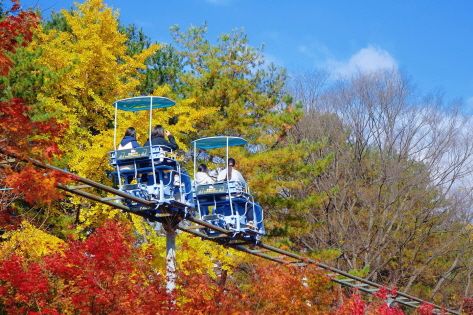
(93, 70)
(29, 242)
(207, 255)
(93, 214)
(91, 161)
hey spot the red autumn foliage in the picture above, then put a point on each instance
(384, 293)
(353, 306)
(21, 136)
(425, 309)
(105, 274)
(19, 129)
(15, 30)
(37, 185)
(201, 295)
(8, 220)
(27, 286)
(288, 289)
(384, 309)
(467, 306)
(109, 274)
(380, 306)
(261, 287)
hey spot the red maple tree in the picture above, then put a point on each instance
(105, 274)
(22, 137)
(108, 273)
(16, 29)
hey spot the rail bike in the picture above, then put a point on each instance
(153, 173)
(226, 202)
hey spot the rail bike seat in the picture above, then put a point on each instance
(129, 156)
(219, 188)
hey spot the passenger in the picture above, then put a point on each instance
(158, 138)
(231, 174)
(202, 177)
(186, 180)
(129, 140)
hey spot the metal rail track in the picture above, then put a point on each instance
(230, 239)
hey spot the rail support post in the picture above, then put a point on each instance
(170, 257)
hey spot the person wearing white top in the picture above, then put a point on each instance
(231, 174)
(202, 177)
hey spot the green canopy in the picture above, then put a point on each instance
(135, 104)
(218, 142)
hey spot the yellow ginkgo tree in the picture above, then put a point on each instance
(29, 242)
(93, 69)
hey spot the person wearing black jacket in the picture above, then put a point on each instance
(158, 135)
(129, 140)
(158, 138)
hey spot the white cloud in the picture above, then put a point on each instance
(469, 102)
(303, 49)
(270, 58)
(272, 35)
(314, 50)
(218, 2)
(366, 60)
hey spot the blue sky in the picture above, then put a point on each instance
(431, 41)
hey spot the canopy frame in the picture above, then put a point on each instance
(218, 142)
(135, 104)
(140, 103)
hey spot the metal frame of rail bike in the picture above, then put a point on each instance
(162, 178)
(230, 201)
